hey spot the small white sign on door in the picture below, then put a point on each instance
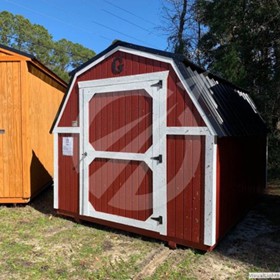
(67, 146)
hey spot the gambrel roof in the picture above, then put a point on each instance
(229, 109)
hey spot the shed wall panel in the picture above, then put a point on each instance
(68, 176)
(44, 101)
(185, 187)
(241, 178)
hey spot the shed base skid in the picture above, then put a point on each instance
(171, 241)
(25, 200)
(14, 200)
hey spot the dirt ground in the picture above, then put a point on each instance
(252, 246)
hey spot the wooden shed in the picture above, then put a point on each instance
(147, 142)
(30, 95)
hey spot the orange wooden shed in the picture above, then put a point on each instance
(30, 95)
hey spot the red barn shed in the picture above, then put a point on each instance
(150, 143)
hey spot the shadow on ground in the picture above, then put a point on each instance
(256, 239)
(44, 202)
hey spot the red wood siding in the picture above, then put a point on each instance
(68, 176)
(240, 178)
(185, 187)
(71, 110)
(113, 128)
(181, 110)
(121, 187)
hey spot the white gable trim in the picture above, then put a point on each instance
(64, 105)
(145, 55)
(74, 82)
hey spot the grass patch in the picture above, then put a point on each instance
(37, 244)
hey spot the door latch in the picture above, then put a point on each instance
(158, 219)
(158, 158)
(76, 167)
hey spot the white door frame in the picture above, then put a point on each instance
(158, 92)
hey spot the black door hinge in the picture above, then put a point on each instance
(158, 158)
(159, 84)
(158, 219)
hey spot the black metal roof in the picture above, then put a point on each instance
(228, 108)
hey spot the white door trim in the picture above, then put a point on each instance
(159, 94)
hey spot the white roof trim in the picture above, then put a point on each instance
(146, 55)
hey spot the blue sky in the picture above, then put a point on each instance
(96, 23)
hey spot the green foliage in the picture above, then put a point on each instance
(60, 56)
(243, 45)
(6, 27)
(239, 41)
(68, 55)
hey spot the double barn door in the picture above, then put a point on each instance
(123, 150)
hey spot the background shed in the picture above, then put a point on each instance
(30, 95)
(148, 142)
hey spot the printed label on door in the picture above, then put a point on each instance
(67, 146)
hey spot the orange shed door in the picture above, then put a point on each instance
(124, 150)
(10, 132)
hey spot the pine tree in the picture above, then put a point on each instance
(60, 56)
(243, 45)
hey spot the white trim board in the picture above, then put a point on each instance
(210, 191)
(55, 173)
(123, 81)
(187, 130)
(67, 130)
